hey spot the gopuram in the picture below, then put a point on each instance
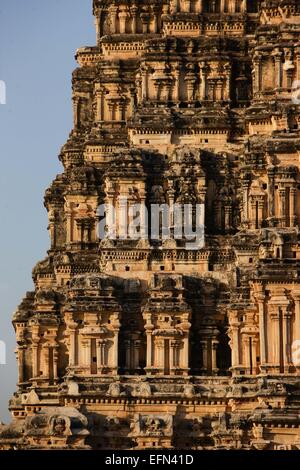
(147, 341)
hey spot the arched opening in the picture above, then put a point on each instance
(252, 6)
(196, 355)
(132, 346)
(223, 352)
(212, 6)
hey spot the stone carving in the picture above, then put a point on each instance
(151, 425)
(73, 388)
(179, 103)
(115, 390)
(59, 426)
(189, 391)
(31, 399)
(142, 390)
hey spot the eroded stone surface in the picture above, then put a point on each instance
(135, 343)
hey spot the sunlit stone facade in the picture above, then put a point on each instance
(142, 343)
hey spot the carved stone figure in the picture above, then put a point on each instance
(136, 338)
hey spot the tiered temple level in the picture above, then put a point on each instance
(144, 343)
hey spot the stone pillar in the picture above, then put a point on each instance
(99, 352)
(165, 91)
(246, 353)
(44, 361)
(176, 92)
(200, 6)
(52, 226)
(87, 352)
(286, 338)
(245, 213)
(120, 110)
(144, 71)
(296, 328)
(171, 196)
(21, 363)
(219, 90)
(271, 192)
(214, 347)
(88, 230)
(143, 219)
(293, 209)
(133, 100)
(204, 346)
(55, 363)
(98, 23)
(113, 19)
(157, 88)
(231, 6)
(173, 353)
(111, 107)
(50, 363)
(79, 229)
(76, 111)
(296, 296)
(234, 333)
(99, 107)
(139, 87)
(261, 205)
(257, 74)
(187, 6)
(203, 85)
(110, 215)
(127, 354)
(227, 217)
(149, 350)
(276, 338)
(190, 84)
(72, 351)
(123, 15)
(278, 69)
(297, 52)
(220, 215)
(227, 91)
(222, 6)
(184, 363)
(35, 359)
(262, 333)
(160, 352)
(211, 89)
(134, 11)
(115, 356)
(68, 213)
(155, 11)
(282, 206)
(104, 353)
(286, 321)
(176, 6)
(254, 363)
(123, 218)
(136, 354)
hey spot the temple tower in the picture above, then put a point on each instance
(140, 334)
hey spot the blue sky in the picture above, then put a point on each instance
(38, 40)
